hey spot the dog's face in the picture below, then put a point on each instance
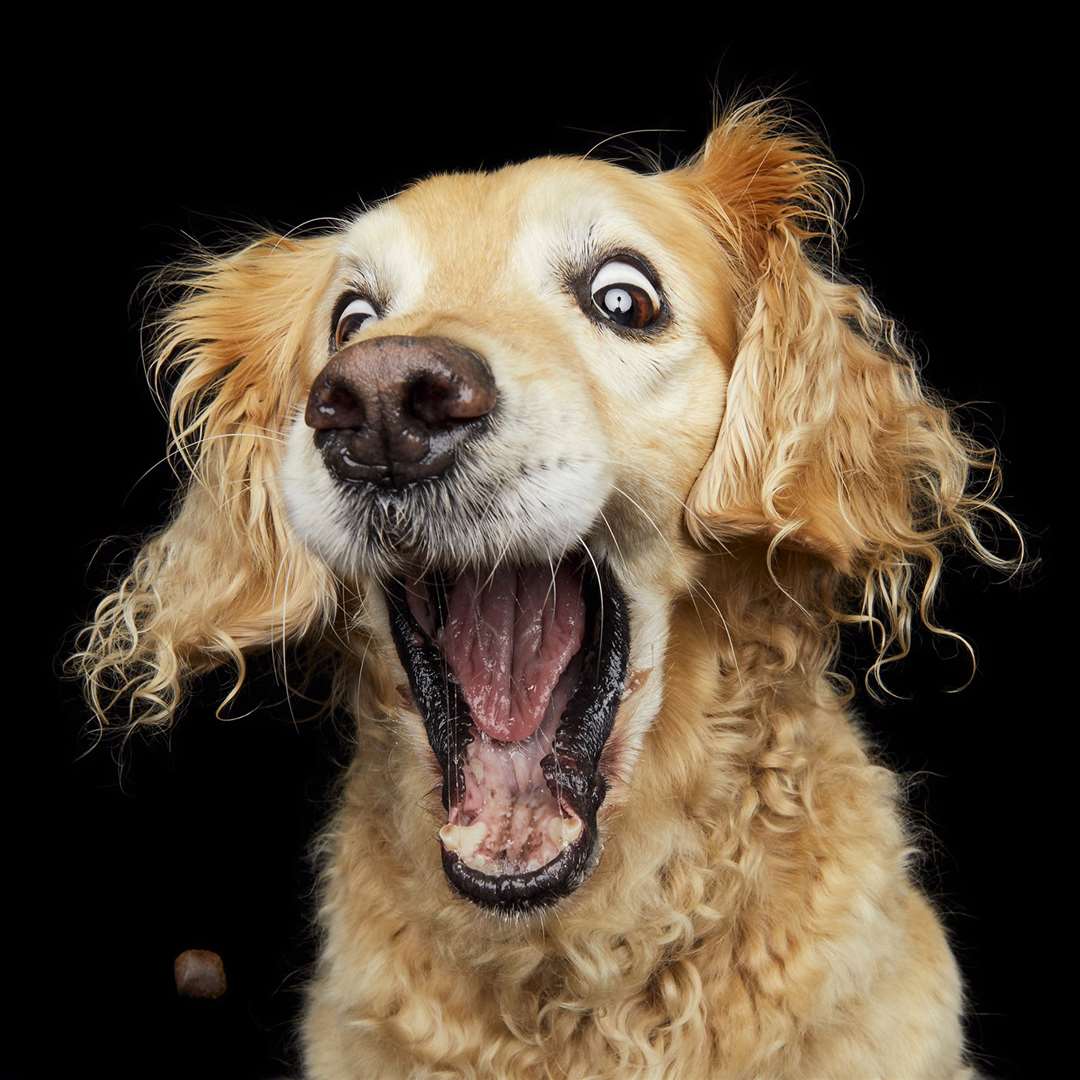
(515, 380)
(491, 434)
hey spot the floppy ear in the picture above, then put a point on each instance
(829, 443)
(224, 575)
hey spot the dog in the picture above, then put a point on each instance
(576, 472)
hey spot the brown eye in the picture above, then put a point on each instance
(356, 315)
(624, 295)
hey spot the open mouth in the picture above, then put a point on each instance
(518, 674)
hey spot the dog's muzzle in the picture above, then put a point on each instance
(394, 410)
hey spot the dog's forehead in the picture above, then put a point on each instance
(480, 228)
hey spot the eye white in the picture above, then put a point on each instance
(623, 273)
(357, 307)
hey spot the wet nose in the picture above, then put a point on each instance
(394, 410)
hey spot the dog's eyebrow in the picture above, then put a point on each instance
(363, 276)
(583, 252)
(362, 271)
(589, 245)
(576, 254)
(589, 251)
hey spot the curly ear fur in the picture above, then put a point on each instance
(829, 443)
(221, 577)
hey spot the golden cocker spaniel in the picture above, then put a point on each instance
(576, 472)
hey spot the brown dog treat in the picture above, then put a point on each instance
(199, 974)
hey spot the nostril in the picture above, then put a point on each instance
(450, 396)
(430, 399)
(335, 407)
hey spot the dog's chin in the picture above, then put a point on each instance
(517, 673)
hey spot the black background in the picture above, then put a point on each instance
(120, 859)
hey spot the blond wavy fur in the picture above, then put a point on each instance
(830, 440)
(753, 914)
(223, 576)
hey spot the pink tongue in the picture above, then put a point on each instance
(508, 638)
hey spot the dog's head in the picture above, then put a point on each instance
(483, 439)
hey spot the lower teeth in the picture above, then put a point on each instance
(465, 841)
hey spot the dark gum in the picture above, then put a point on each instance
(571, 770)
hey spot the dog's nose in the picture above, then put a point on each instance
(393, 410)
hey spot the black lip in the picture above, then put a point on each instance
(579, 740)
(522, 892)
